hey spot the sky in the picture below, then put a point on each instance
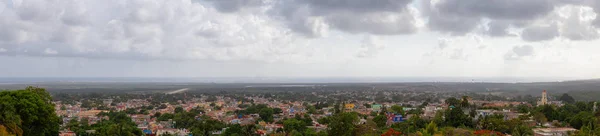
(300, 38)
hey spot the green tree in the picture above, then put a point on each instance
(452, 102)
(178, 109)
(581, 119)
(343, 124)
(464, 102)
(266, 114)
(380, 120)
(293, 125)
(566, 98)
(455, 117)
(397, 109)
(495, 122)
(205, 126)
(28, 112)
(522, 130)
(367, 105)
(165, 117)
(430, 130)
(118, 124)
(277, 110)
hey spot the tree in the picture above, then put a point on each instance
(495, 122)
(165, 117)
(464, 102)
(380, 120)
(178, 110)
(28, 112)
(522, 108)
(277, 110)
(540, 118)
(397, 109)
(522, 130)
(118, 124)
(430, 130)
(293, 125)
(266, 114)
(367, 105)
(581, 119)
(343, 124)
(452, 102)
(566, 98)
(311, 109)
(455, 117)
(205, 125)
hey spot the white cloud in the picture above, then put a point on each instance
(319, 32)
(518, 52)
(370, 47)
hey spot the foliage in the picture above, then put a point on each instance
(205, 125)
(118, 124)
(566, 98)
(522, 130)
(266, 114)
(294, 125)
(380, 120)
(581, 119)
(430, 130)
(165, 117)
(238, 130)
(28, 112)
(343, 124)
(398, 110)
(455, 117)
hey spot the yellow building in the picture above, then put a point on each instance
(349, 106)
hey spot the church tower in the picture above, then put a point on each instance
(544, 99)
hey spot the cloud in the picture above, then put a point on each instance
(370, 47)
(518, 52)
(236, 5)
(495, 17)
(141, 29)
(315, 17)
(577, 23)
(269, 30)
(459, 17)
(540, 33)
(443, 43)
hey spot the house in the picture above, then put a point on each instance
(349, 106)
(376, 107)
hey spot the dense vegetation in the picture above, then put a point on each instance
(28, 112)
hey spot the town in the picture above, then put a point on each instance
(299, 111)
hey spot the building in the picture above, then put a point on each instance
(349, 106)
(553, 131)
(376, 107)
(107, 102)
(544, 99)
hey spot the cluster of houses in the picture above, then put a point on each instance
(227, 106)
